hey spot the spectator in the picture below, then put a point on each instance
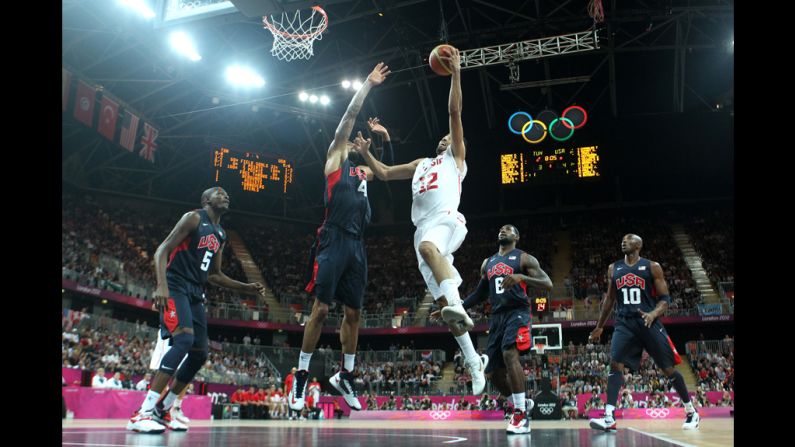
(99, 380)
(114, 383)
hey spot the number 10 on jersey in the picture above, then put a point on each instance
(631, 296)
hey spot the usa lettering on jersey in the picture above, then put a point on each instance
(210, 242)
(499, 269)
(631, 280)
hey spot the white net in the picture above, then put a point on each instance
(294, 35)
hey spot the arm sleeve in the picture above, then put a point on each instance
(480, 294)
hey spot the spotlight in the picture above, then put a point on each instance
(324, 100)
(303, 96)
(346, 84)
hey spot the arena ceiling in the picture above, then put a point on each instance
(654, 57)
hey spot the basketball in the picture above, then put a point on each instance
(437, 64)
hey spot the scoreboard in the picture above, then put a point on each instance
(550, 165)
(251, 172)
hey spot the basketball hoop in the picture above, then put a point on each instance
(293, 36)
(540, 348)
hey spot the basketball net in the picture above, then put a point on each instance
(596, 11)
(540, 348)
(293, 36)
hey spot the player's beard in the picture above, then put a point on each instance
(504, 242)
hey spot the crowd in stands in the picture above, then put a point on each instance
(91, 346)
(112, 247)
(712, 235)
(390, 377)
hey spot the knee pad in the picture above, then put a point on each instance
(193, 363)
(180, 344)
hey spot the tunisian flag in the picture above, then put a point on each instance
(84, 103)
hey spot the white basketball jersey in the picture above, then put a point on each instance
(436, 186)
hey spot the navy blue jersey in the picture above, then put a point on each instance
(634, 288)
(346, 201)
(497, 267)
(191, 260)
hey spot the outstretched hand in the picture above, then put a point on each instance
(375, 126)
(360, 144)
(379, 73)
(453, 60)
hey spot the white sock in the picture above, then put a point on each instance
(450, 291)
(151, 399)
(609, 411)
(303, 361)
(510, 399)
(467, 348)
(169, 400)
(518, 401)
(348, 362)
(689, 407)
(178, 402)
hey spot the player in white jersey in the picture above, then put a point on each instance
(436, 194)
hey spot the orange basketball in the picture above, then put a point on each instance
(437, 64)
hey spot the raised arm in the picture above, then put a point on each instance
(345, 127)
(454, 107)
(380, 170)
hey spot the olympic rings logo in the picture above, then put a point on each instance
(559, 129)
(546, 409)
(439, 415)
(658, 413)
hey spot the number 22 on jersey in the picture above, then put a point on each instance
(430, 183)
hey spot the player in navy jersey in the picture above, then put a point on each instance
(339, 261)
(504, 279)
(187, 259)
(638, 289)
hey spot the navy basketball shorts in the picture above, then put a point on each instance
(509, 329)
(340, 271)
(185, 309)
(631, 337)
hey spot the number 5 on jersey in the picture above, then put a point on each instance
(208, 257)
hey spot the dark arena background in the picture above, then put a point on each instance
(584, 121)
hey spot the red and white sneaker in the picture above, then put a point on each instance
(142, 422)
(164, 418)
(178, 415)
(295, 398)
(604, 424)
(343, 382)
(691, 422)
(519, 423)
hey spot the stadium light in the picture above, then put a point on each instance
(139, 6)
(243, 77)
(346, 84)
(183, 44)
(357, 84)
(303, 96)
(313, 99)
(325, 100)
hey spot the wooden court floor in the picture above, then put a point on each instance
(363, 433)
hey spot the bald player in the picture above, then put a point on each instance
(638, 289)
